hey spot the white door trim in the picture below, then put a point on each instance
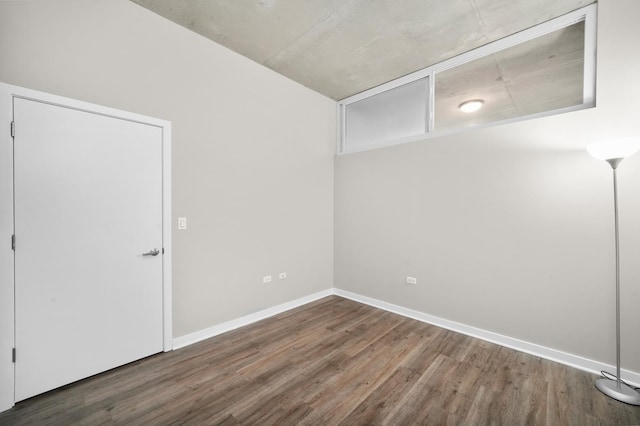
(7, 308)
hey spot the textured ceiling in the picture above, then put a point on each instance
(342, 47)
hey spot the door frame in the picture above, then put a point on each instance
(7, 266)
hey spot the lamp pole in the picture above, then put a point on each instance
(614, 166)
(617, 390)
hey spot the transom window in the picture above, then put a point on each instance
(544, 70)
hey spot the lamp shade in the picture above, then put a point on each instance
(616, 148)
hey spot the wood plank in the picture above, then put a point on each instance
(333, 361)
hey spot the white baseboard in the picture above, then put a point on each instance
(565, 358)
(509, 342)
(189, 339)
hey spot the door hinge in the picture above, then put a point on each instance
(13, 242)
(162, 250)
(13, 355)
(13, 129)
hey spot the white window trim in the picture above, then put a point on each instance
(588, 14)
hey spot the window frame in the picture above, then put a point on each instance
(424, 100)
(588, 14)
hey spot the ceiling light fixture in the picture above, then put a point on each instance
(471, 106)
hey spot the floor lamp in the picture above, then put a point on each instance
(613, 152)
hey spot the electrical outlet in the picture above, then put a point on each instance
(412, 281)
(283, 275)
(266, 279)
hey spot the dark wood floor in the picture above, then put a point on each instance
(332, 362)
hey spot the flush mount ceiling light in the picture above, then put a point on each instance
(471, 106)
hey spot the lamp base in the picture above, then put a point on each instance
(623, 393)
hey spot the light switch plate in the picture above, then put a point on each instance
(182, 223)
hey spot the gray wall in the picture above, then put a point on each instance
(510, 228)
(252, 150)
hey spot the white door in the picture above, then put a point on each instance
(88, 204)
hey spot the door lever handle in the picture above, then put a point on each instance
(153, 252)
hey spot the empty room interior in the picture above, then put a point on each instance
(347, 212)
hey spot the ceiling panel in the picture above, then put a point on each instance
(342, 47)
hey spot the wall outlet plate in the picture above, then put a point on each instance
(266, 279)
(412, 281)
(282, 275)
